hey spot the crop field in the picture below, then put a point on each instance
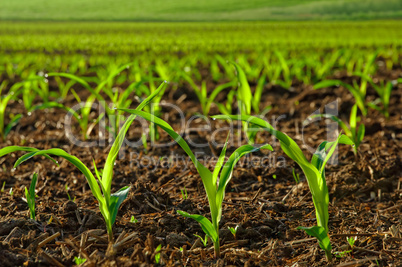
(207, 10)
(213, 143)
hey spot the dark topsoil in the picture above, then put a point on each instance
(365, 193)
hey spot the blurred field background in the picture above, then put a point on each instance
(207, 10)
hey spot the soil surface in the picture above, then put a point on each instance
(264, 200)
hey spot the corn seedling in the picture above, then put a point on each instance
(184, 193)
(13, 93)
(83, 117)
(341, 254)
(30, 196)
(384, 92)
(287, 80)
(233, 230)
(108, 203)
(355, 134)
(154, 108)
(79, 260)
(133, 219)
(68, 195)
(228, 106)
(64, 87)
(158, 254)
(214, 187)
(351, 241)
(247, 101)
(204, 241)
(322, 70)
(35, 85)
(314, 172)
(226, 67)
(202, 94)
(356, 91)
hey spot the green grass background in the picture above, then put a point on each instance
(198, 10)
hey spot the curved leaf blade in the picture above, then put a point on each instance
(206, 225)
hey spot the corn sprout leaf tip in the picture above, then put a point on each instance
(11, 149)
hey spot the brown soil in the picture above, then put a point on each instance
(365, 195)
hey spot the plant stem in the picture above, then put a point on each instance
(329, 256)
(110, 233)
(217, 249)
(216, 244)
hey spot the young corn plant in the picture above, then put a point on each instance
(356, 134)
(204, 241)
(101, 187)
(103, 85)
(384, 92)
(30, 196)
(202, 94)
(248, 101)
(314, 172)
(287, 78)
(357, 91)
(4, 100)
(154, 108)
(214, 182)
(233, 230)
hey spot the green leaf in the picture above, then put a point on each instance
(118, 142)
(206, 225)
(227, 172)
(204, 172)
(14, 121)
(353, 121)
(72, 77)
(33, 184)
(158, 255)
(213, 95)
(72, 159)
(11, 149)
(315, 179)
(79, 260)
(219, 163)
(56, 105)
(258, 92)
(244, 92)
(321, 234)
(30, 196)
(360, 134)
(327, 83)
(334, 118)
(115, 201)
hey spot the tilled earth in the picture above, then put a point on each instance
(264, 200)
